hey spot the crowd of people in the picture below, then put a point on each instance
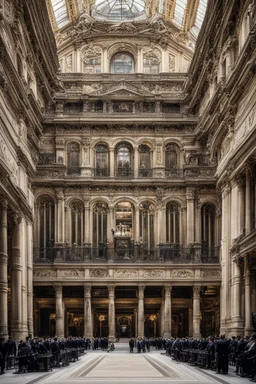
(29, 350)
(211, 353)
(217, 353)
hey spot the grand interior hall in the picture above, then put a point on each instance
(127, 173)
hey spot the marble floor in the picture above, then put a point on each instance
(121, 367)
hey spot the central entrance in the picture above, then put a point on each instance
(125, 326)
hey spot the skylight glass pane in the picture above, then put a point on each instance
(200, 13)
(118, 10)
(179, 11)
(60, 12)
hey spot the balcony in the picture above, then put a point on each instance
(163, 254)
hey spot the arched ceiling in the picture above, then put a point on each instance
(188, 15)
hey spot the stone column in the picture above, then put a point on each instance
(111, 162)
(30, 279)
(190, 321)
(135, 311)
(248, 205)
(167, 311)
(136, 162)
(3, 269)
(87, 312)
(86, 221)
(59, 311)
(16, 281)
(141, 311)
(111, 313)
(60, 216)
(137, 224)
(190, 196)
(196, 311)
(248, 329)
(236, 302)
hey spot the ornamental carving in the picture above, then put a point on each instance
(153, 273)
(99, 272)
(182, 273)
(71, 273)
(126, 273)
(210, 273)
(44, 273)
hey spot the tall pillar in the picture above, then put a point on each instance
(111, 313)
(236, 302)
(167, 311)
(136, 163)
(60, 216)
(141, 311)
(3, 269)
(225, 302)
(135, 311)
(196, 311)
(247, 294)
(111, 162)
(16, 281)
(87, 312)
(190, 196)
(137, 224)
(248, 205)
(30, 279)
(86, 221)
(190, 321)
(59, 311)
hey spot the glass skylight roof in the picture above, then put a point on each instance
(60, 12)
(179, 11)
(118, 10)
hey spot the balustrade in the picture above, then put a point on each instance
(164, 253)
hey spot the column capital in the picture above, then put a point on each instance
(168, 289)
(190, 193)
(111, 290)
(196, 290)
(3, 202)
(141, 288)
(58, 289)
(87, 291)
(59, 193)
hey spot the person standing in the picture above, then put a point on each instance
(131, 345)
(3, 352)
(222, 349)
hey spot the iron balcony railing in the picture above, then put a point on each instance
(124, 172)
(136, 254)
(101, 172)
(46, 158)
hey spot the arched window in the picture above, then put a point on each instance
(124, 160)
(207, 226)
(77, 223)
(73, 158)
(172, 223)
(101, 160)
(144, 161)
(46, 222)
(99, 224)
(122, 62)
(124, 218)
(147, 214)
(171, 156)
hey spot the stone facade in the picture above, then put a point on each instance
(127, 200)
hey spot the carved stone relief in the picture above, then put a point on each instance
(153, 273)
(126, 273)
(71, 273)
(99, 272)
(211, 273)
(44, 273)
(182, 273)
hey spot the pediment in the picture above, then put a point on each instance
(122, 88)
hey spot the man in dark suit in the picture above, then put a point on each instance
(222, 349)
(3, 353)
(131, 345)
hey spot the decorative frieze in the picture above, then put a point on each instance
(183, 274)
(99, 272)
(126, 274)
(210, 273)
